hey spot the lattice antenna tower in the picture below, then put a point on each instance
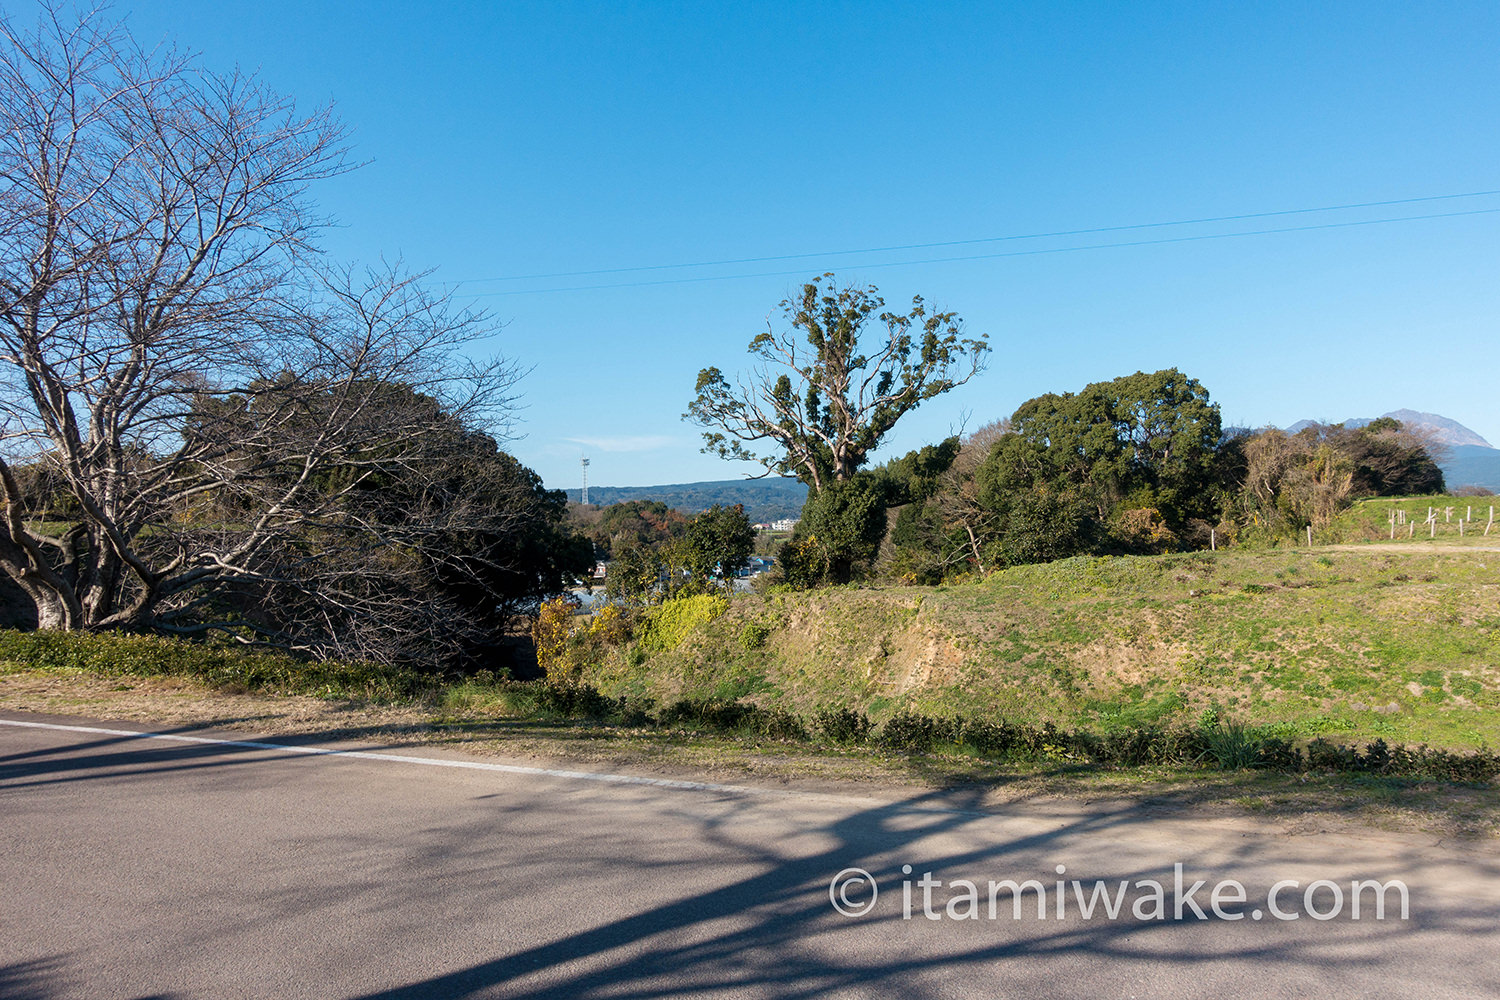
(584, 496)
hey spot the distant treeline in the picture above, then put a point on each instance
(764, 500)
(1139, 464)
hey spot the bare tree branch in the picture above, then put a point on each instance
(200, 401)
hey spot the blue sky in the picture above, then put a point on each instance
(512, 139)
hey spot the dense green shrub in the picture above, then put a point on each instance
(728, 716)
(707, 713)
(572, 700)
(909, 733)
(839, 532)
(781, 725)
(1407, 762)
(841, 725)
(667, 625)
(1334, 757)
(1279, 755)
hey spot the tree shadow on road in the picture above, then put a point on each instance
(774, 931)
(725, 891)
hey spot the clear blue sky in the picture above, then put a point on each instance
(512, 139)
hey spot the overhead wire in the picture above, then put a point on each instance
(995, 256)
(1093, 231)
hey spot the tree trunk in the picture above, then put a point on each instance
(56, 606)
(51, 609)
(840, 569)
(974, 546)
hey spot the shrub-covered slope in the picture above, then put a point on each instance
(1350, 644)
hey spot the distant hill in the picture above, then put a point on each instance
(1471, 465)
(1444, 431)
(765, 500)
(1470, 459)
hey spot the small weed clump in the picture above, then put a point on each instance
(754, 635)
(1231, 746)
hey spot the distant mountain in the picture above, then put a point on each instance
(765, 500)
(1442, 429)
(1470, 459)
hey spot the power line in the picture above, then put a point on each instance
(996, 256)
(986, 239)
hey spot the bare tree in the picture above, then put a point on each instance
(1303, 474)
(821, 398)
(1314, 474)
(202, 394)
(958, 499)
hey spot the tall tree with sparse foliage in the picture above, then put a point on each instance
(827, 389)
(833, 382)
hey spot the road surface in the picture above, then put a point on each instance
(157, 867)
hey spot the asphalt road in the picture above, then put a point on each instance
(139, 868)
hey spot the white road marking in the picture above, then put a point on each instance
(472, 765)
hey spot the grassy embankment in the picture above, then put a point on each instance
(1351, 645)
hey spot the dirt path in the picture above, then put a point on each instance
(1424, 548)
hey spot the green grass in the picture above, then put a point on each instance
(1403, 646)
(1369, 521)
(221, 666)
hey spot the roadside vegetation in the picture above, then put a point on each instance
(218, 666)
(1380, 662)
